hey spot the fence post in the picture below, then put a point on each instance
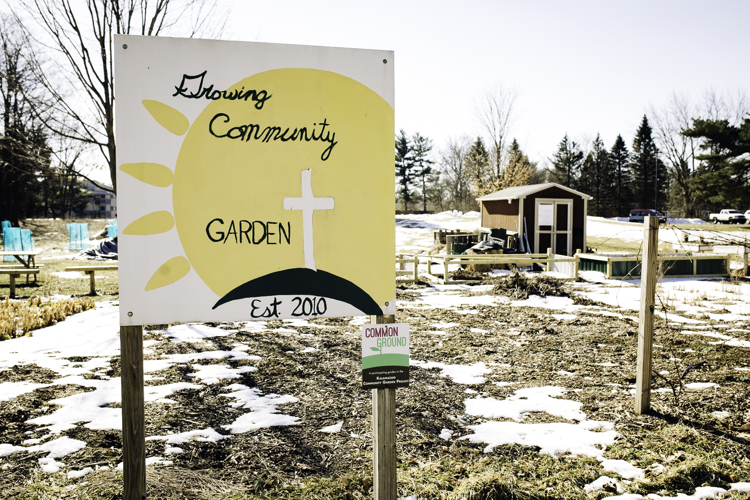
(646, 320)
(384, 435)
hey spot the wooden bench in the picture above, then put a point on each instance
(13, 273)
(6, 267)
(91, 270)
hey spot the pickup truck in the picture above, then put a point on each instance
(728, 216)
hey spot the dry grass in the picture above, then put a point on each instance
(19, 318)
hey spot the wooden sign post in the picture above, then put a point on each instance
(133, 417)
(646, 320)
(384, 434)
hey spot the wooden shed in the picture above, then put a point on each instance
(555, 215)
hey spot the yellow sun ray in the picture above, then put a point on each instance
(172, 270)
(167, 116)
(155, 174)
(153, 223)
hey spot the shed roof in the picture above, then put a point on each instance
(523, 191)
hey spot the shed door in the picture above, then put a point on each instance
(554, 226)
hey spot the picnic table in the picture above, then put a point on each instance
(28, 266)
(29, 262)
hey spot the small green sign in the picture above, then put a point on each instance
(385, 355)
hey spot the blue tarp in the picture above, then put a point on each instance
(79, 236)
(16, 239)
(6, 225)
(111, 229)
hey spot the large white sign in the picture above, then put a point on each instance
(255, 181)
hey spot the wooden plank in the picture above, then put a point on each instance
(646, 320)
(133, 418)
(92, 268)
(384, 435)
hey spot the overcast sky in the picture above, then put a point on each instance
(579, 67)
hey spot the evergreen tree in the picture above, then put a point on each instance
(479, 169)
(421, 147)
(597, 180)
(519, 169)
(723, 178)
(405, 168)
(622, 178)
(566, 163)
(649, 172)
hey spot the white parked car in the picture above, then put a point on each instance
(747, 217)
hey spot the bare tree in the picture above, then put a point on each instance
(669, 121)
(81, 34)
(495, 114)
(453, 167)
(724, 106)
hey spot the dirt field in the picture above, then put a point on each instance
(698, 437)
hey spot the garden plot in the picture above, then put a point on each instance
(512, 393)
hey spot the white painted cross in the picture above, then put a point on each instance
(308, 204)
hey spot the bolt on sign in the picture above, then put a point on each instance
(255, 181)
(385, 355)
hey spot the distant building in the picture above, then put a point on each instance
(102, 204)
(550, 215)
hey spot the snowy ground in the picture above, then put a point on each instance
(76, 363)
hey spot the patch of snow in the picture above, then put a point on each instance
(77, 474)
(701, 492)
(603, 483)
(93, 333)
(623, 468)
(90, 406)
(526, 401)
(7, 449)
(211, 374)
(195, 332)
(446, 434)
(552, 439)
(263, 409)
(699, 386)
(207, 434)
(333, 429)
(10, 390)
(158, 461)
(50, 465)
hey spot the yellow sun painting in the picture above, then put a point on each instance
(281, 196)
